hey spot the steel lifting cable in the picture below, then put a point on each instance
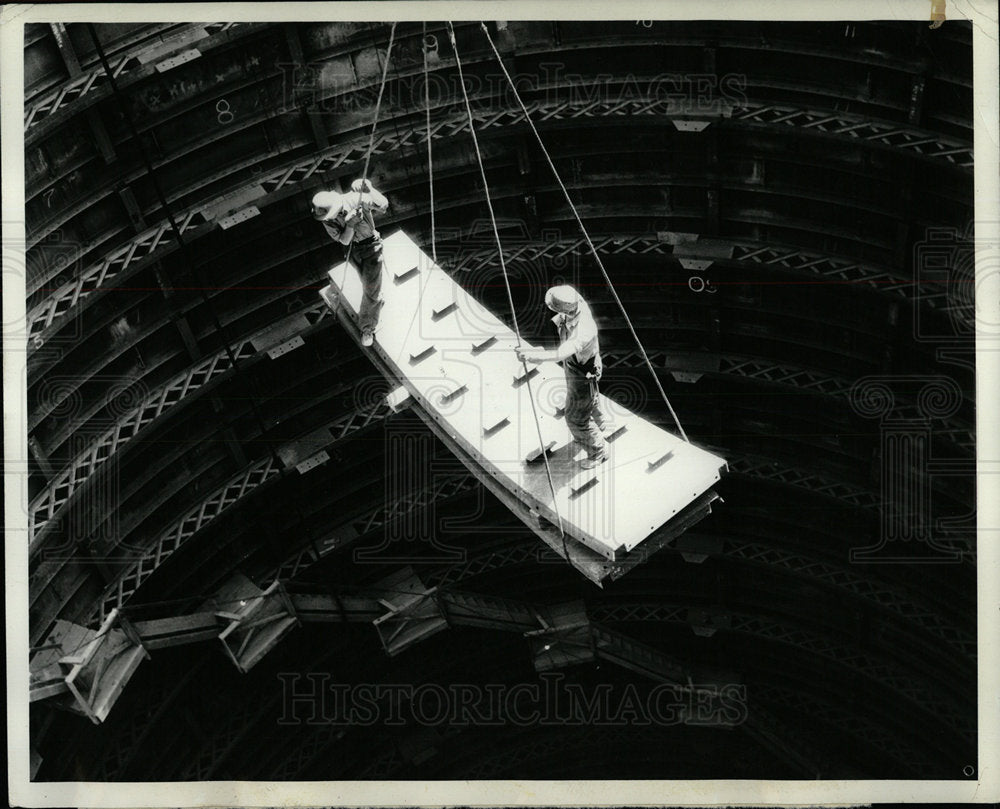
(586, 235)
(506, 281)
(430, 159)
(188, 259)
(430, 170)
(371, 137)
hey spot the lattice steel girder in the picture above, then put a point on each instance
(229, 730)
(73, 90)
(354, 151)
(237, 718)
(923, 697)
(48, 570)
(880, 594)
(315, 739)
(127, 740)
(474, 253)
(196, 518)
(67, 297)
(491, 560)
(769, 732)
(912, 759)
(86, 89)
(61, 488)
(802, 378)
(849, 579)
(895, 678)
(651, 662)
(880, 133)
(449, 485)
(184, 528)
(781, 472)
(441, 488)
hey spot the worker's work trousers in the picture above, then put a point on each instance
(368, 259)
(584, 416)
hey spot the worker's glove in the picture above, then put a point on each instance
(527, 355)
(352, 216)
(361, 185)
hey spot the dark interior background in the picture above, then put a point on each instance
(826, 171)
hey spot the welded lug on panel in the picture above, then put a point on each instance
(83, 670)
(616, 433)
(565, 639)
(485, 345)
(258, 619)
(537, 453)
(403, 277)
(448, 398)
(496, 427)
(398, 399)
(652, 466)
(521, 376)
(419, 354)
(582, 488)
(444, 311)
(413, 611)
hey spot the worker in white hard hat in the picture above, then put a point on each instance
(348, 220)
(580, 353)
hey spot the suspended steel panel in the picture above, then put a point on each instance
(457, 361)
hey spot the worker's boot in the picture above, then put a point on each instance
(594, 460)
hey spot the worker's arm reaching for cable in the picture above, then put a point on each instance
(537, 355)
(340, 233)
(366, 197)
(576, 326)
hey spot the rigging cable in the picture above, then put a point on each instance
(506, 281)
(371, 137)
(586, 235)
(192, 267)
(430, 159)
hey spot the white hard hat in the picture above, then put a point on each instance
(563, 299)
(324, 201)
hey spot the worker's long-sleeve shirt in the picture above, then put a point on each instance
(365, 204)
(578, 342)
